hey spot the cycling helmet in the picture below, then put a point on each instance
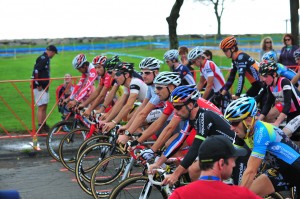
(171, 54)
(240, 109)
(228, 42)
(112, 62)
(195, 52)
(166, 78)
(124, 67)
(269, 56)
(99, 60)
(79, 60)
(297, 53)
(184, 93)
(267, 68)
(149, 63)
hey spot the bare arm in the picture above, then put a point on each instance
(117, 108)
(153, 128)
(201, 83)
(250, 172)
(109, 98)
(125, 109)
(209, 86)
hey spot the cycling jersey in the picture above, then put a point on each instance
(106, 80)
(85, 84)
(153, 97)
(137, 86)
(285, 93)
(271, 139)
(246, 67)
(210, 69)
(185, 75)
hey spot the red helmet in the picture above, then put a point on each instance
(99, 60)
(228, 42)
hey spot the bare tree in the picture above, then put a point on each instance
(294, 7)
(172, 21)
(219, 8)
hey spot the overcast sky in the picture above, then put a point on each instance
(98, 18)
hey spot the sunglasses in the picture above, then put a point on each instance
(119, 73)
(178, 107)
(110, 72)
(146, 73)
(159, 88)
(225, 50)
(268, 42)
(235, 124)
(287, 39)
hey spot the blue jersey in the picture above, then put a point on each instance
(271, 139)
(185, 75)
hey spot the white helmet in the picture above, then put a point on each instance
(166, 78)
(195, 52)
(79, 60)
(171, 54)
(149, 63)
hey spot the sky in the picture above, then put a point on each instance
(31, 19)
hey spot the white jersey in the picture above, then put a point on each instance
(210, 69)
(137, 86)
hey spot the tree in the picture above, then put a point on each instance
(219, 8)
(172, 21)
(294, 6)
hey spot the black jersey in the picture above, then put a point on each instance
(41, 70)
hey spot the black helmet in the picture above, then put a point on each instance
(267, 68)
(124, 67)
(112, 62)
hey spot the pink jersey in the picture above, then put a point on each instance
(85, 84)
(210, 69)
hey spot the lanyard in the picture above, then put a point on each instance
(210, 178)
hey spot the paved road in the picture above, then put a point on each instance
(36, 177)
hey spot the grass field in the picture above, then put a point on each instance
(15, 103)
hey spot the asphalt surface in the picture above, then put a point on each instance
(35, 175)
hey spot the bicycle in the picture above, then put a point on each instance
(60, 129)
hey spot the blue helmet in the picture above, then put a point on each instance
(240, 109)
(269, 56)
(184, 93)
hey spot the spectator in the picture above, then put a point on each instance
(63, 91)
(41, 70)
(286, 56)
(267, 46)
(216, 159)
(208, 54)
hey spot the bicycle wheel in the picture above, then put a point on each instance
(137, 187)
(69, 145)
(89, 159)
(110, 172)
(56, 133)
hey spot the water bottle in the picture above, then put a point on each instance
(34, 141)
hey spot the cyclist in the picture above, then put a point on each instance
(134, 90)
(297, 76)
(279, 91)
(217, 159)
(152, 106)
(206, 122)
(105, 83)
(281, 69)
(266, 141)
(244, 65)
(171, 58)
(210, 73)
(85, 86)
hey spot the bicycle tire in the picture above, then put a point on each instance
(89, 159)
(69, 145)
(55, 135)
(109, 172)
(92, 140)
(135, 187)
